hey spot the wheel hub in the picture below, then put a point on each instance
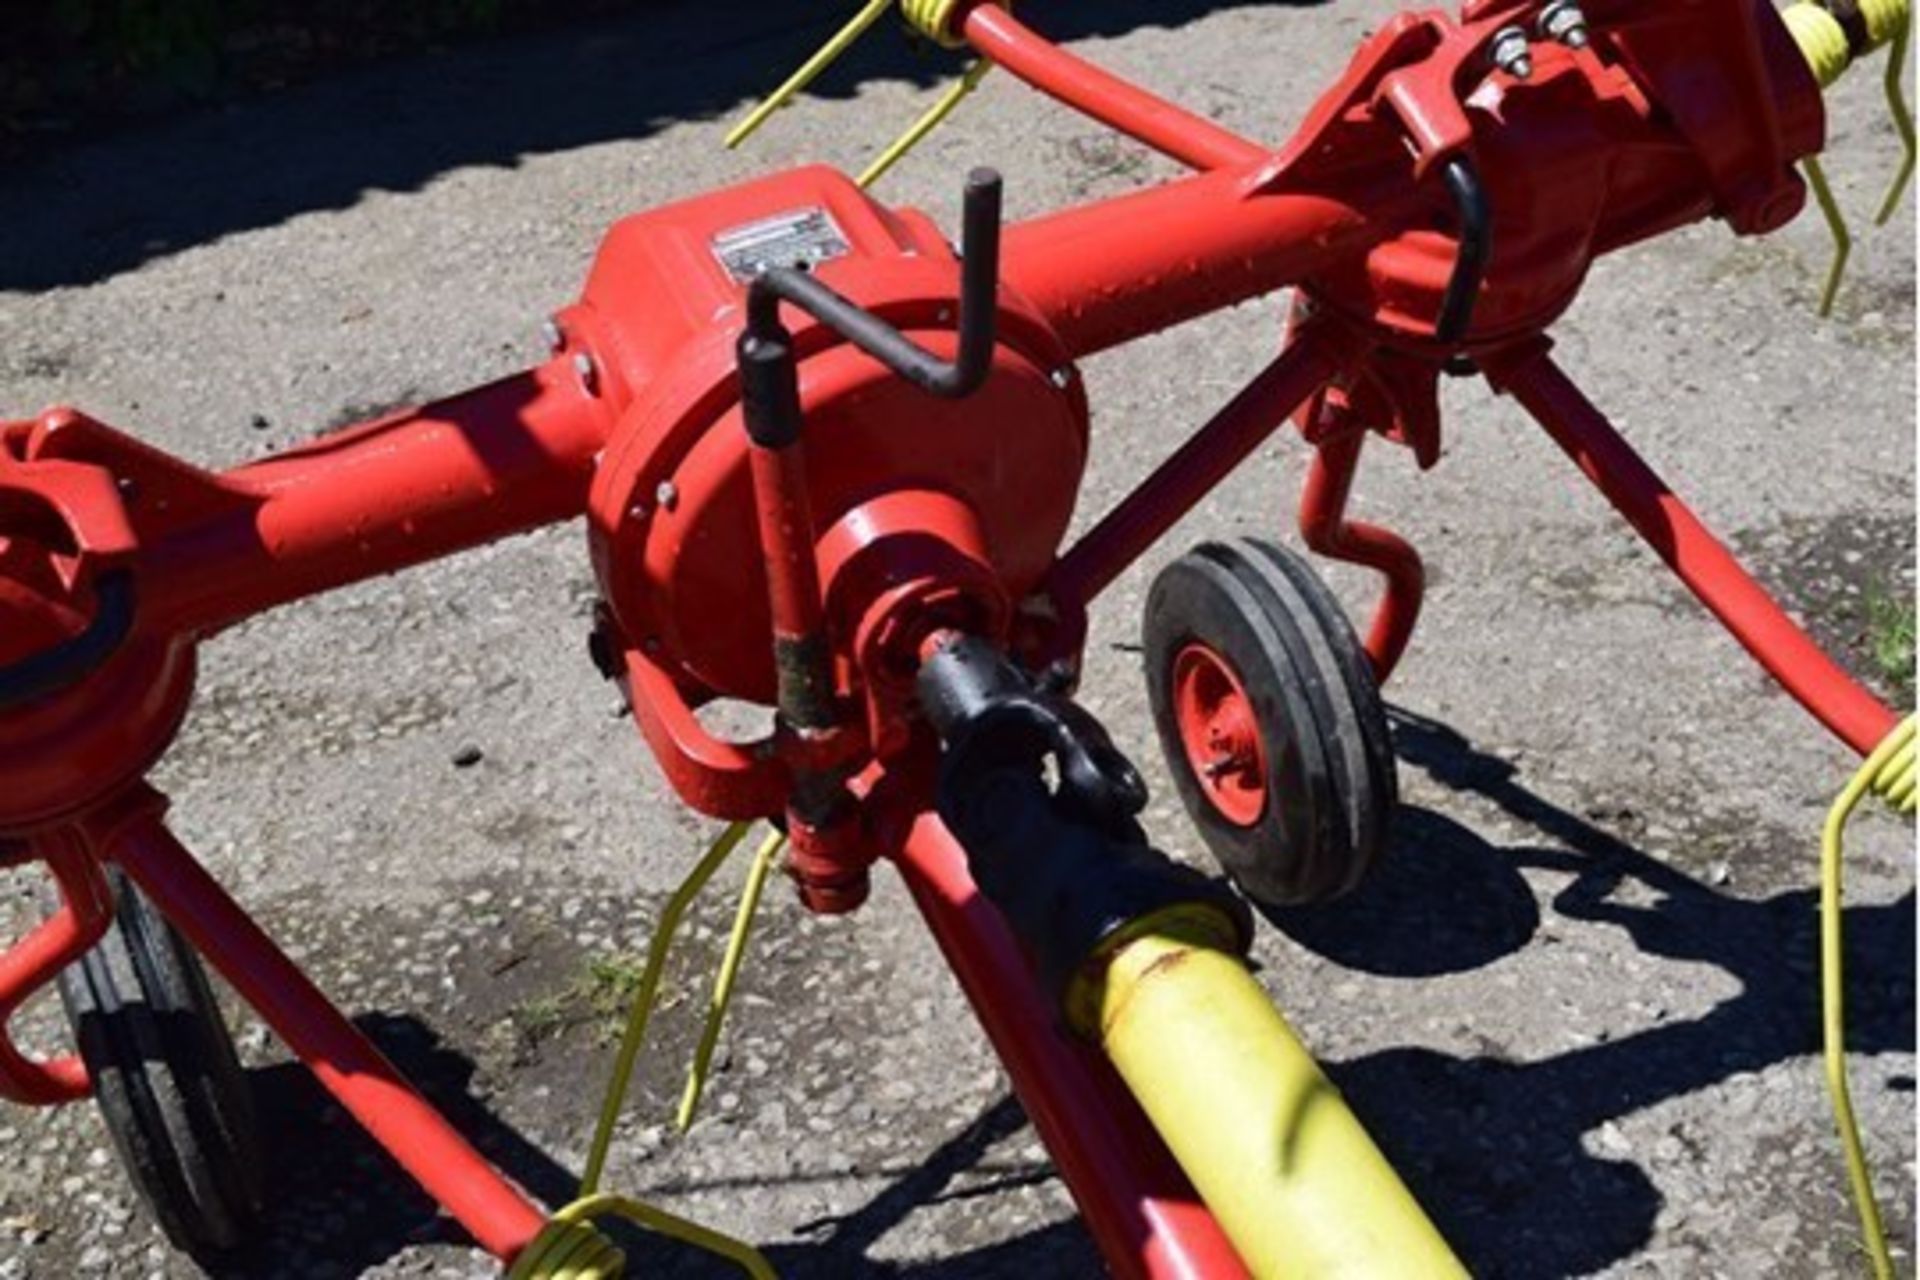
(1220, 734)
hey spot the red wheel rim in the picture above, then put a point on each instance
(1219, 734)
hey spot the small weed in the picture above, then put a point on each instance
(600, 994)
(542, 1017)
(1890, 639)
(610, 983)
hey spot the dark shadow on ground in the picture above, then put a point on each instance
(1492, 1146)
(105, 207)
(1442, 901)
(340, 1206)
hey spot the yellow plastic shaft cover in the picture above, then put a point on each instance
(1269, 1143)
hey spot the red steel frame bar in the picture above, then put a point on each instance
(1106, 273)
(500, 459)
(1325, 529)
(1139, 1207)
(343, 1060)
(520, 453)
(1262, 407)
(1693, 553)
(1174, 131)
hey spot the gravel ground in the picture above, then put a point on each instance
(1577, 1007)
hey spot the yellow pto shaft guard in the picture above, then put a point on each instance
(1270, 1145)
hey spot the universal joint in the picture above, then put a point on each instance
(1066, 864)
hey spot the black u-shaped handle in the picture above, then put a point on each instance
(1476, 246)
(979, 301)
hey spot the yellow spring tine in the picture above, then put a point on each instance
(1902, 119)
(729, 970)
(745, 1256)
(643, 999)
(812, 67)
(1837, 224)
(927, 123)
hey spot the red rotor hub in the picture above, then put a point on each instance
(927, 512)
(64, 526)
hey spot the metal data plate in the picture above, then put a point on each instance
(799, 237)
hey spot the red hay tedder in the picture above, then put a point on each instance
(828, 462)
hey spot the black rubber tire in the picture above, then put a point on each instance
(1331, 783)
(176, 1102)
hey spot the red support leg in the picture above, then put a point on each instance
(1710, 571)
(1324, 526)
(344, 1061)
(1139, 1207)
(86, 907)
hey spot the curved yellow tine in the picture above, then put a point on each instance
(1902, 119)
(927, 123)
(729, 970)
(745, 1256)
(822, 58)
(643, 999)
(1837, 224)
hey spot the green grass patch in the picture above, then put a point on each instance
(598, 995)
(1890, 639)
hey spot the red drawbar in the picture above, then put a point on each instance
(1207, 458)
(1139, 1207)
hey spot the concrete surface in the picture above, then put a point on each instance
(1578, 1006)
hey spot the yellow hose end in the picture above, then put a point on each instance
(1286, 1168)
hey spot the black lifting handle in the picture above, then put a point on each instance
(979, 300)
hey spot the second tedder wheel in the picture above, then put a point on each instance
(164, 1072)
(1272, 726)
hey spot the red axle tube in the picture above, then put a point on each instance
(1693, 553)
(1139, 1207)
(1107, 273)
(497, 460)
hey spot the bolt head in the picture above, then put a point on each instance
(666, 495)
(1565, 22)
(1510, 51)
(552, 334)
(589, 377)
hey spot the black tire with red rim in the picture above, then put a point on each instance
(1271, 722)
